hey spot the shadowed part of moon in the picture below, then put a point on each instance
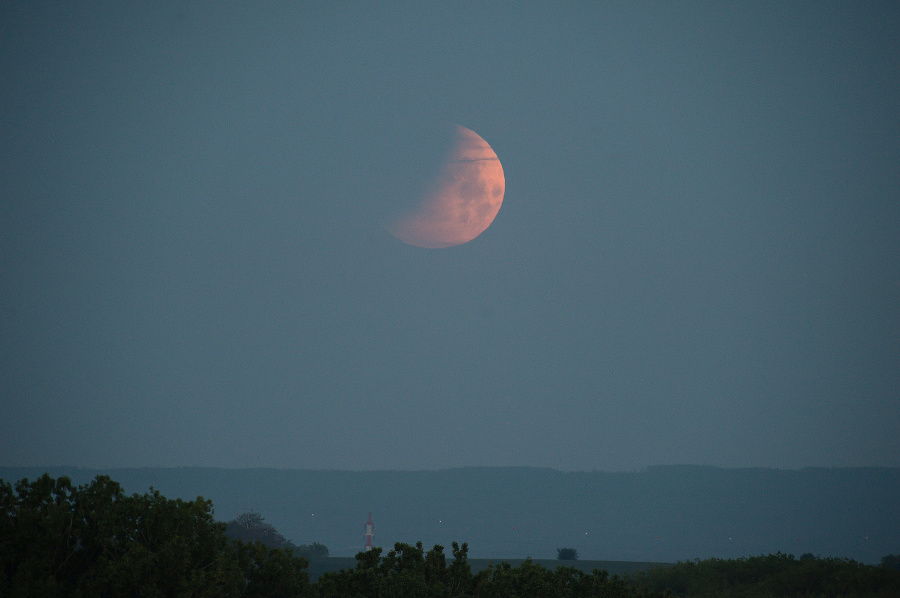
(461, 201)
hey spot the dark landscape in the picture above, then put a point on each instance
(660, 514)
(319, 566)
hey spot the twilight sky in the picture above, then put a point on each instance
(697, 259)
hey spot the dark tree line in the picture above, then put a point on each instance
(251, 527)
(410, 571)
(778, 575)
(95, 541)
(891, 561)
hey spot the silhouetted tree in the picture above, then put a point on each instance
(891, 561)
(94, 540)
(774, 575)
(252, 527)
(404, 571)
(566, 554)
(408, 571)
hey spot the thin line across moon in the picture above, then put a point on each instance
(461, 200)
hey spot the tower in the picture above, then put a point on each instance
(370, 533)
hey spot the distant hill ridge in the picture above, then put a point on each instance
(662, 513)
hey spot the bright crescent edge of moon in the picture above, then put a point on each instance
(462, 200)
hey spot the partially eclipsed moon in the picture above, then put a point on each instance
(461, 201)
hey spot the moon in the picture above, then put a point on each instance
(462, 199)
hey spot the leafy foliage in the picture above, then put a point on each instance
(409, 571)
(530, 579)
(891, 561)
(252, 527)
(774, 575)
(566, 554)
(94, 540)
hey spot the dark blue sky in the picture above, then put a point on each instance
(697, 259)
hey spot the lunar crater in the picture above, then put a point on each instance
(464, 198)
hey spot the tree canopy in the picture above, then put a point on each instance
(566, 554)
(252, 527)
(94, 540)
(774, 575)
(891, 561)
(409, 571)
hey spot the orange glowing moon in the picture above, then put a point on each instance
(461, 201)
